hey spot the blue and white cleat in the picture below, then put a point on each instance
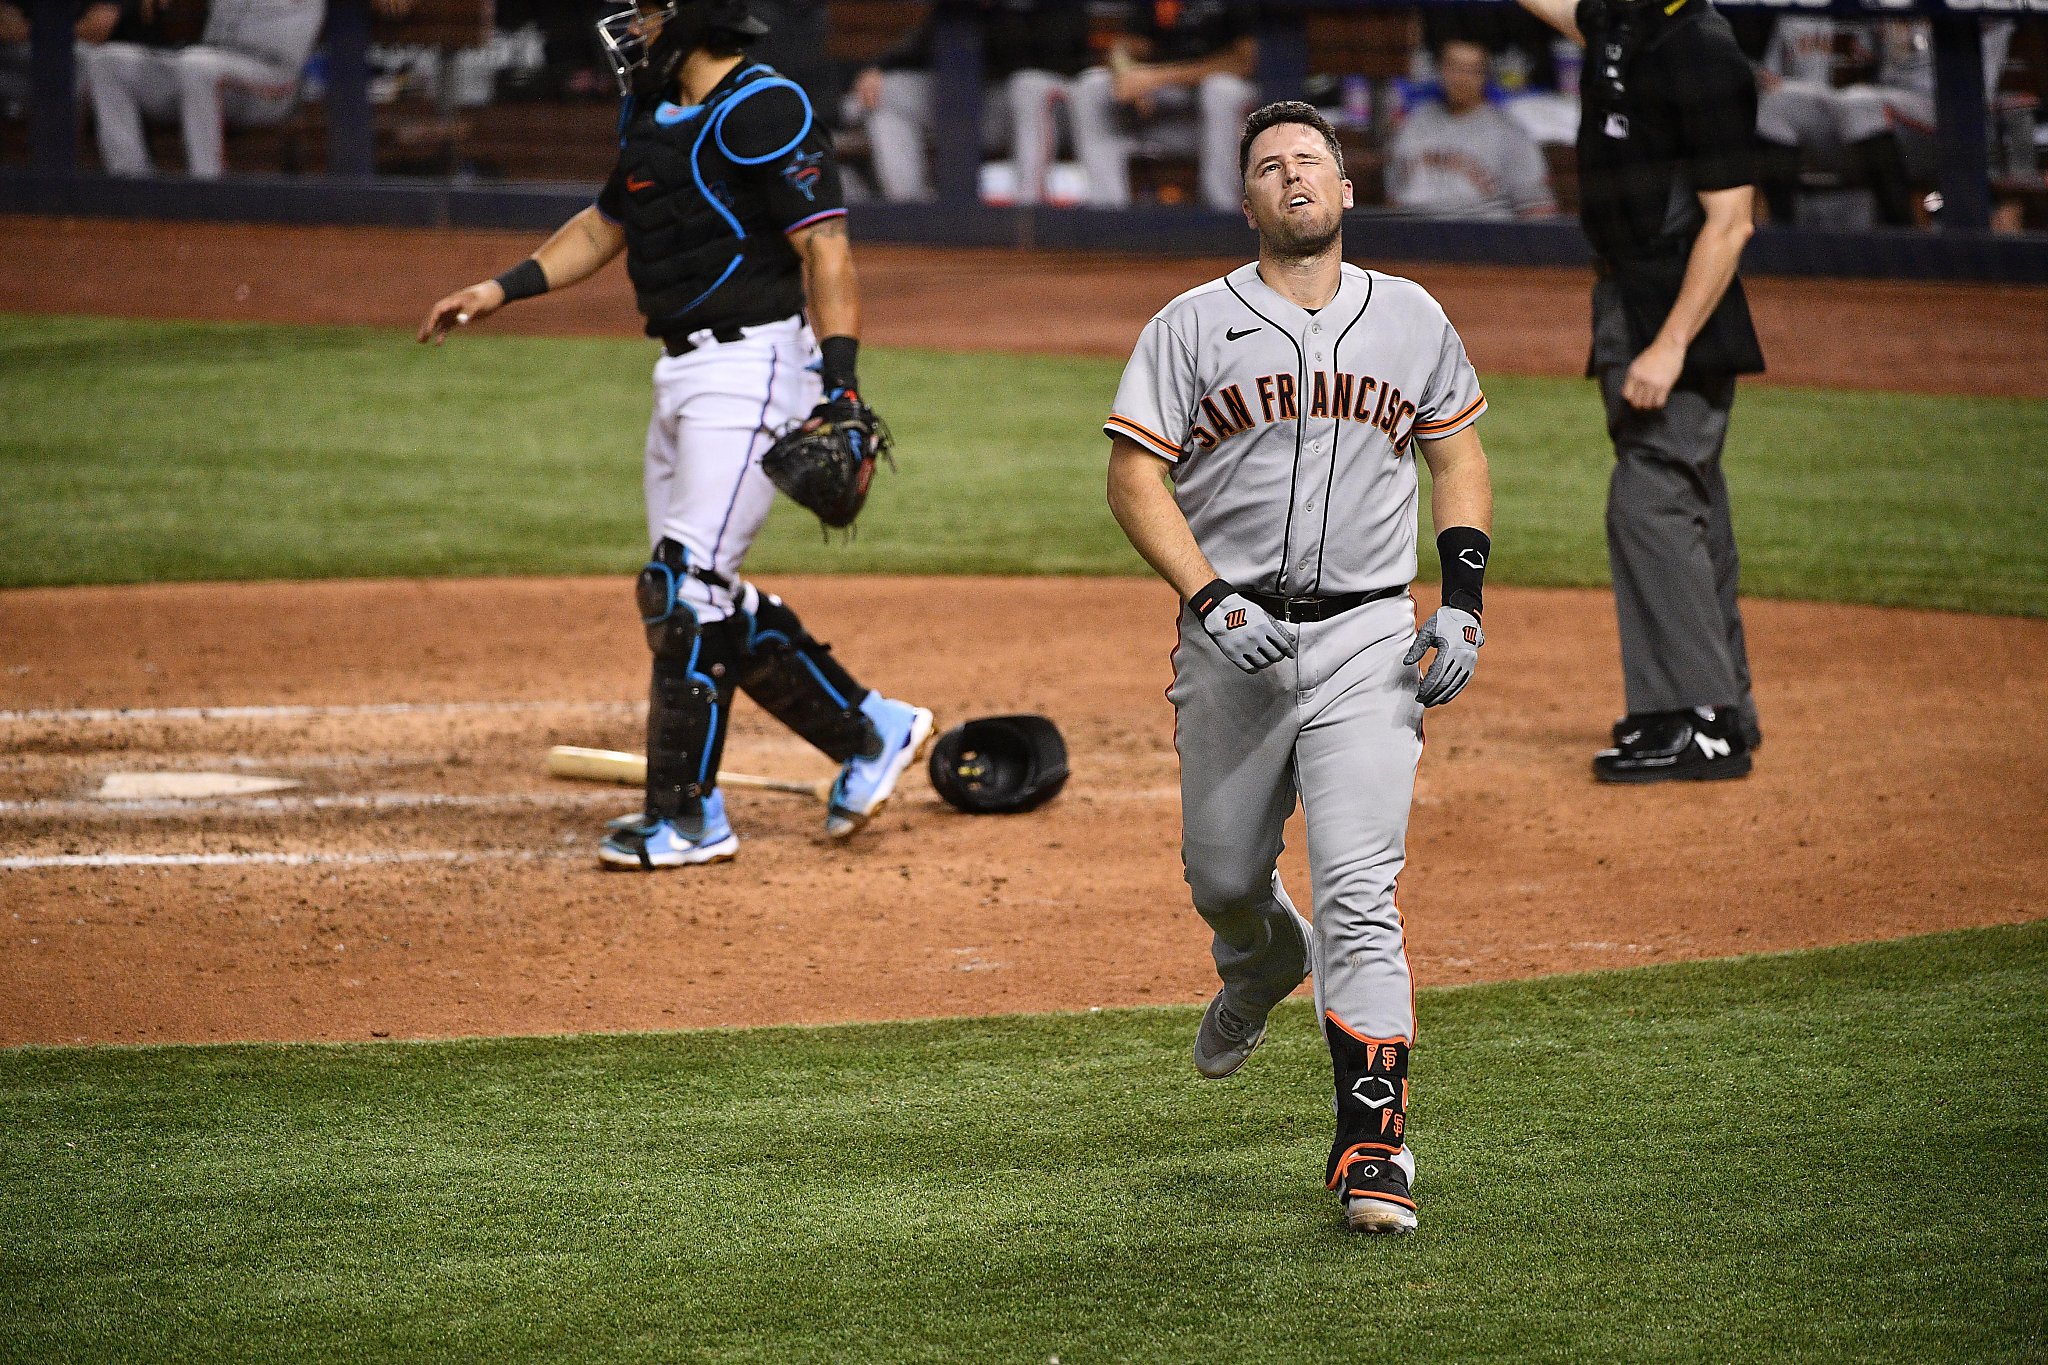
(641, 846)
(865, 784)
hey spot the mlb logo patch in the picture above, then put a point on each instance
(1617, 125)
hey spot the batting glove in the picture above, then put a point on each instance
(1244, 632)
(1457, 636)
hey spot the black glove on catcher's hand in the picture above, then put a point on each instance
(826, 461)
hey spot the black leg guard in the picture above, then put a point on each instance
(1372, 1099)
(690, 694)
(1884, 170)
(795, 679)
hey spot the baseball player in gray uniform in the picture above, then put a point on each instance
(1463, 158)
(243, 70)
(1287, 403)
(1873, 124)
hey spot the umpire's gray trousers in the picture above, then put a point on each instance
(1339, 725)
(1671, 547)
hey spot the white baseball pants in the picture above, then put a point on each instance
(716, 411)
(1337, 726)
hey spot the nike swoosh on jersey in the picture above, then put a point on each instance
(1232, 334)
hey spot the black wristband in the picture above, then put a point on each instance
(1463, 551)
(523, 281)
(1208, 595)
(836, 369)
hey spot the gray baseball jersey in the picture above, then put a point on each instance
(1291, 433)
(1478, 164)
(1291, 439)
(1803, 49)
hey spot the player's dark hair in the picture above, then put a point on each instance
(1277, 113)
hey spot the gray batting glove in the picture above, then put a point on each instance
(1457, 637)
(1247, 636)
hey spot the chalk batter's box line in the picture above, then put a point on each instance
(297, 805)
(105, 715)
(170, 860)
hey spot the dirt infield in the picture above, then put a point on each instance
(1855, 334)
(425, 879)
(1862, 821)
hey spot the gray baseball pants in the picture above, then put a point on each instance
(1338, 725)
(1206, 119)
(203, 87)
(1671, 548)
(1021, 111)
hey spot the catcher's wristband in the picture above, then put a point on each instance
(837, 358)
(523, 281)
(1463, 551)
(1208, 595)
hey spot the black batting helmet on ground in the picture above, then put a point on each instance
(999, 765)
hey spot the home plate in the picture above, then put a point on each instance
(158, 786)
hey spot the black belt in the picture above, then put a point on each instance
(1296, 609)
(683, 345)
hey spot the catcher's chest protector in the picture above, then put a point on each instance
(697, 240)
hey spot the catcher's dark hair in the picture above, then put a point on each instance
(1279, 112)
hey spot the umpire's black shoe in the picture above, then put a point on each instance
(1751, 731)
(1703, 744)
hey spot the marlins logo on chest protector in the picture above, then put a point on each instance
(706, 195)
(1290, 433)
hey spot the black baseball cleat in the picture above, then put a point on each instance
(1703, 744)
(1751, 731)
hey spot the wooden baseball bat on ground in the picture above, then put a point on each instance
(630, 770)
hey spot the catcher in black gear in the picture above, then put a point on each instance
(726, 204)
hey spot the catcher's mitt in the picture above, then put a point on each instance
(826, 461)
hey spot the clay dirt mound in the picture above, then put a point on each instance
(415, 716)
(426, 880)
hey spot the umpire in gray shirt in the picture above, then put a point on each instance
(1667, 119)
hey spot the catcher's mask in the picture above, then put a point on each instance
(646, 43)
(1000, 765)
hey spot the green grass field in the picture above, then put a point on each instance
(1826, 1156)
(1823, 1156)
(141, 451)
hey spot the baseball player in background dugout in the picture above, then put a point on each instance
(726, 203)
(1667, 153)
(1287, 403)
